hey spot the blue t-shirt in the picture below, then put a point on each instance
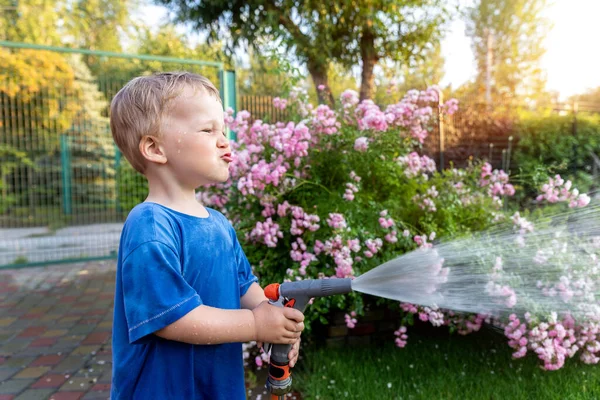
(170, 263)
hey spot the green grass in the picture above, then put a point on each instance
(477, 366)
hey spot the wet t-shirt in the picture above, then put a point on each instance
(168, 264)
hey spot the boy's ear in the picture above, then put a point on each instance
(152, 150)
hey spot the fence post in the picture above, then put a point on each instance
(228, 93)
(441, 128)
(65, 162)
(117, 180)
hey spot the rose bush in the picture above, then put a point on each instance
(333, 193)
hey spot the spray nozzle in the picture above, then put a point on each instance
(272, 291)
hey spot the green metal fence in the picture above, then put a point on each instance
(65, 188)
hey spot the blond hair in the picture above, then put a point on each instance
(138, 108)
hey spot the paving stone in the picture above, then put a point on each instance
(21, 324)
(6, 373)
(50, 359)
(105, 395)
(53, 381)
(35, 316)
(32, 372)
(7, 321)
(49, 317)
(81, 330)
(33, 331)
(77, 383)
(35, 351)
(105, 325)
(64, 347)
(54, 333)
(35, 394)
(69, 365)
(106, 377)
(71, 338)
(94, 371)
(17, 362)
(6, 336)
(84, 350)
(14, 386)
(14, 346)
(96, 338)
(68, 319)
(67, 396)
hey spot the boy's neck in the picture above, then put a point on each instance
(172, 195)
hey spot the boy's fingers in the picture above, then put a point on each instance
(292, 313)
(292, 335)
(291, 326)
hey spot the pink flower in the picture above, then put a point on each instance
(349, 98)
(279, 103)
(361, 144)
(350, 321)
(401, 337)
(336, 221)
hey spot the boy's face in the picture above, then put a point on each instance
(194, 141)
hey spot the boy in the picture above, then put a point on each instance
(185, 295)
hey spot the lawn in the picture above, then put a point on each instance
(439, 366)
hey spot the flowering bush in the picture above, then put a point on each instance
(333, 193)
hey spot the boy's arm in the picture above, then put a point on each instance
(209, 325)
(253, 297)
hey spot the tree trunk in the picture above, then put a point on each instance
(318, 72)
(369, 59)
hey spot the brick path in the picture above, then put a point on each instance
(55, 326)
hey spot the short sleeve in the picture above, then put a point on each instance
(245, 275)
(154, 291)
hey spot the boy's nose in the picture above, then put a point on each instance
(223, 142)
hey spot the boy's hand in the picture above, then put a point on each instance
(281, 325)
(293, 354)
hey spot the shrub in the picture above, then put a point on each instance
(334, 193)
(549, 145)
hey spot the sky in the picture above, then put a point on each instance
(572, 59)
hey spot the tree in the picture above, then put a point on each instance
(96, 24)
(31, 21)
(507, 40)
(265, 76)
(320, 32)
(395, 80)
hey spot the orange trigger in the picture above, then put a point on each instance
(290, 303)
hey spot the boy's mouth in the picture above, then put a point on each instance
(227, 157)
